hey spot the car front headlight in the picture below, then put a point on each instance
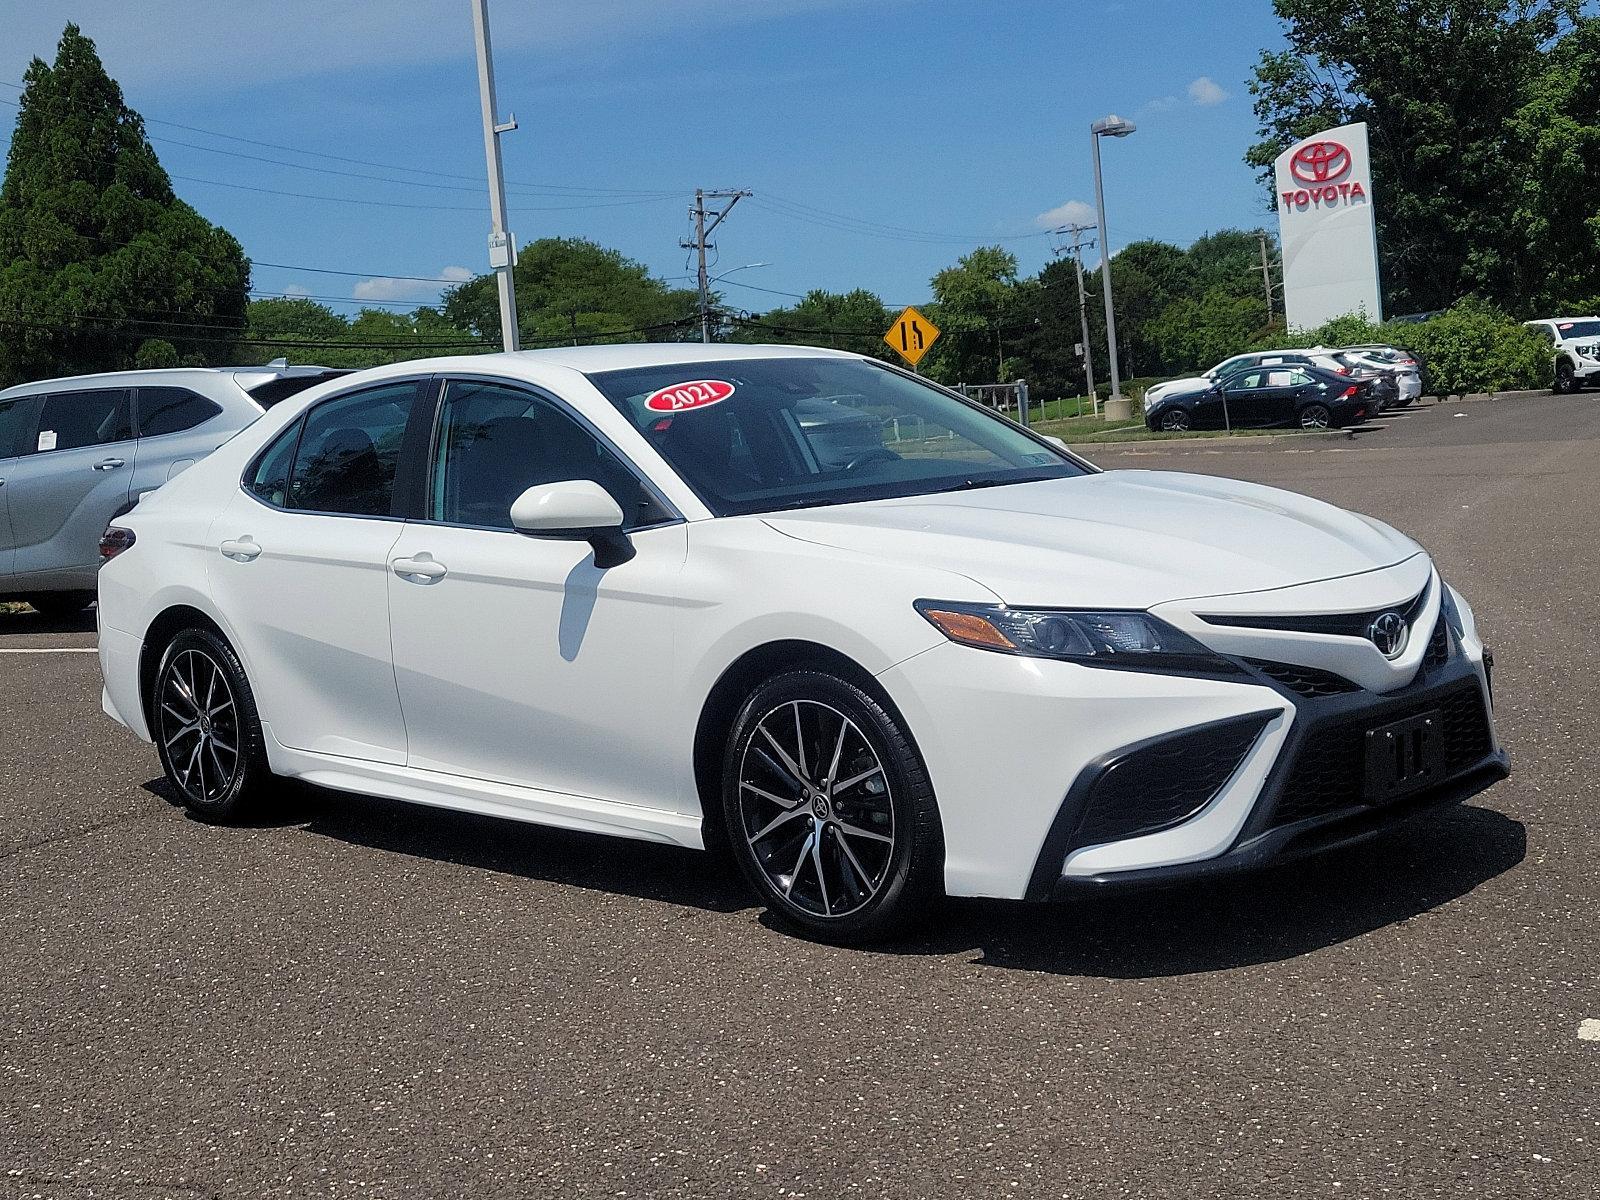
(1102, 639)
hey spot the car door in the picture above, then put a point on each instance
(299, 563)
(18, 419)
(517, 659)
(74, 475)
(1245, 397)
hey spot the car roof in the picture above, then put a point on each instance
(1559, 320)
(156, 376)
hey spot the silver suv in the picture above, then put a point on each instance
(75, 453)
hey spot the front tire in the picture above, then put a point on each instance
(829, 809)
(206, 727)
(1566, 379)
(1175, 421)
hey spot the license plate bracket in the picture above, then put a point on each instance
(1404, 756)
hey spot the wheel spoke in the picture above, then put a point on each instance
(184, 694)
(777, 822)
(855, 865)
(784, 757)
(855, 779)
(216, 761)
(838, 751)
(800, 744)
(766, 795)
(822, 878)
(800, 861)
(857, 831)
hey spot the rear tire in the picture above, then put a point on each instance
(60, 605)
(206, 728)
(1315, 416)
(829, 810)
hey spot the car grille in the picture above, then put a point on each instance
(1340, 624)
(1329, 772)
(1161, 785)
(1305, 681)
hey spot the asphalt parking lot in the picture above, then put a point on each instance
(360, 998)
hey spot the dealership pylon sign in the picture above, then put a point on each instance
(1327, 229)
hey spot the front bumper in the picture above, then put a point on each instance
(1312, 799)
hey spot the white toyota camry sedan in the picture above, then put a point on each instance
(877, 642)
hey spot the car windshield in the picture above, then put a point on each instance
(1578, 329)
(758, 435)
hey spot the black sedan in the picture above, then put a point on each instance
(1262, 397)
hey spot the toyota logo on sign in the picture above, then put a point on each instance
(1319, 162)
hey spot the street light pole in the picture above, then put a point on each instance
(1112, 126)
(502, 245)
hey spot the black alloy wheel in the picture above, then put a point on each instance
(1315, 416)
(206, 730)
(829, 810)
(1566, 378)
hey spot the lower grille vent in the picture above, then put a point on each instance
(1305, 681)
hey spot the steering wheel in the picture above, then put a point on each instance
(880, 454)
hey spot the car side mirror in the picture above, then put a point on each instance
(578, 510)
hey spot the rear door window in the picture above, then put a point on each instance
(172, 410)
(349, 452)
(72, 420)
(17, 424)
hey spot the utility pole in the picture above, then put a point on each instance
(1079, 242)
(502, 244)
(701, 232)
(1266, 274)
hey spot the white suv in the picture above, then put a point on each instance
(1576, 344)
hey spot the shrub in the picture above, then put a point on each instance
(1474, 347)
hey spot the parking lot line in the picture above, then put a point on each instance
(52, 650)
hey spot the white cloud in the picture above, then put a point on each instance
(1073, 212)
(413, 290)
(296, 289)
(1205, 92)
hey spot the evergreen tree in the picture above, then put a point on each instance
(102, 267)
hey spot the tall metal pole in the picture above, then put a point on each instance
(705, 284)
(1105, 270)
(1083, 317)
(502, 245)
(1266, 275)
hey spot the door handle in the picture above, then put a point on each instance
(108, 464)
(242, 549)
(418, 569)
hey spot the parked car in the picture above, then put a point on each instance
(1257, 397)
(1575, 350)
(76, 453)
(1399, 373)
(616, 589)
(1231, 366)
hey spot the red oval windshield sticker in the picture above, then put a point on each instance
(697, 393)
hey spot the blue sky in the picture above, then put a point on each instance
(965, 119)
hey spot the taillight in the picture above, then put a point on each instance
(114, 541)
(1348, 392)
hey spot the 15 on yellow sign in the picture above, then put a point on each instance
(911, 336)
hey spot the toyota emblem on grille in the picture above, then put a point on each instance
(1388, 634)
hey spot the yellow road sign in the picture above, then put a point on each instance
(911, 336)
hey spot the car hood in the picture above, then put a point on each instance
(1173, 387)
(1118, 539)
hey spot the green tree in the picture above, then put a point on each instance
(306, 331)
(572, 290)
(97, 255)
(1440, 84)
(975, 303)
(854, 321)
